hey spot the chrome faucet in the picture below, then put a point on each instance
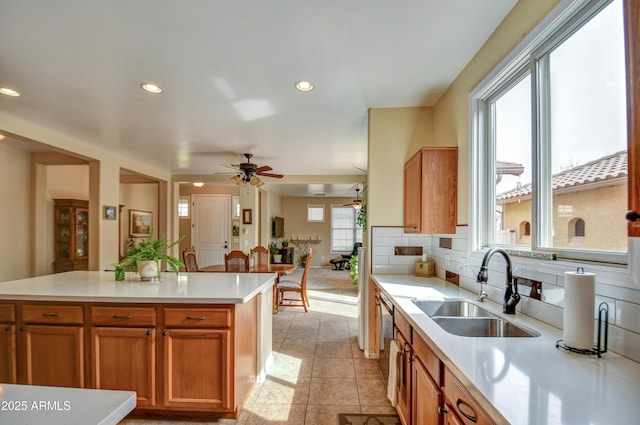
(511, 296)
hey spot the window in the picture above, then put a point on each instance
(549, 138)
(183, 207)
(315, 212)
(344, 229)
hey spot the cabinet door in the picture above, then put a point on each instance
(124, 359)
(413, 194)
(426, 395)
(8, 354)
(460, 404)
(632, 37)
(197, 369)
(403, 376)
(52, 356)
(439, 190)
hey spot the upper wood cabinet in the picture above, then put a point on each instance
(71, 235)
(430, 191)
(632, 43)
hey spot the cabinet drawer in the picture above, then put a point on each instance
(459, 400)
(7, 313)
(123, 316)
(427, 357)
(403, 325)
(197, 317)
(52, 314)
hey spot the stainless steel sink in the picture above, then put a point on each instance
(482, 327)
(456, 308)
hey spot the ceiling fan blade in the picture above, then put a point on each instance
(262, 169)
(277, 176)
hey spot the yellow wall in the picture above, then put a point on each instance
(451, 113)
(395, 134)
(294, 211)
(15, 221)
(595, 207)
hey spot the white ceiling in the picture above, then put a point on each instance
(228, 68)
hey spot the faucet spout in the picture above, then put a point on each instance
(511, 296)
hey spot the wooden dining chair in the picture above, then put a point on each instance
(190, 260)
(289, 285)
(261, 256)
(236, 261)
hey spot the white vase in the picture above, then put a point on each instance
(148, 270)
(277, 258)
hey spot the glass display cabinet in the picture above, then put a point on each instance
(71, 235)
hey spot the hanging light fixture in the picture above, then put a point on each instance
(357, 204)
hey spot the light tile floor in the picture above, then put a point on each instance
(318, 371)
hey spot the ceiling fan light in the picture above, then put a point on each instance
(237, 180)
(254, 181)
(357, 206)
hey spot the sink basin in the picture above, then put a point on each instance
(482, 327)
(456, 308)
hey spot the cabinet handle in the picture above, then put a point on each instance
(126, 316)
(470, 416)
(165, 333)
(442, 410)
(23, 329)
(632, 216)
(51, 314)
(196, 318)
(149, 332)
(7, 329)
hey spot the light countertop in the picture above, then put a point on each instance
(190, 288)
(35, 405)
(526, 380)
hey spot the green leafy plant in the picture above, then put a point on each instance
(361, 217)
(273, 247)
(151, 249)
(353, 269)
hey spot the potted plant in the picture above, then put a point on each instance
(285, 243)
(353, 269)
(145, 256)
(275, 252)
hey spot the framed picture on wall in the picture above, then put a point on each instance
(109, 212)
(140, 223)
(246, 216)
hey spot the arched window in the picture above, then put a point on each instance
(577, 227)
(525, 229)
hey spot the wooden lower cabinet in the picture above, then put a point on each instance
(52, 355)
(460, 407)
(426, 394)
(8, 371)
(131, 352)
(197, 368)
(403, 376)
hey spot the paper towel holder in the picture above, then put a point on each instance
(603, 332)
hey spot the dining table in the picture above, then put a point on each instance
(281, 269)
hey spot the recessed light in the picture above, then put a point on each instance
(151, 88)
(304, 85)
(9, 92)
(198, 184)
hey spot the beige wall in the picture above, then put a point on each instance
(395, 134)
(595, 207)
(15, 218)
(451, 114)
(294, 211)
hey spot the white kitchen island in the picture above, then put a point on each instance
(189, 345)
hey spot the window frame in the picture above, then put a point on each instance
(530, 57)
(319, 206)
(355, 229)
(181, 201)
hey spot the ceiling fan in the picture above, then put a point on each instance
(248, 172)
(357, 203)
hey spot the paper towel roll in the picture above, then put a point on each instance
(579, 300)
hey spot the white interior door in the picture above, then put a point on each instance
(210, 228)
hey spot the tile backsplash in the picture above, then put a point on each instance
(623, 303)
